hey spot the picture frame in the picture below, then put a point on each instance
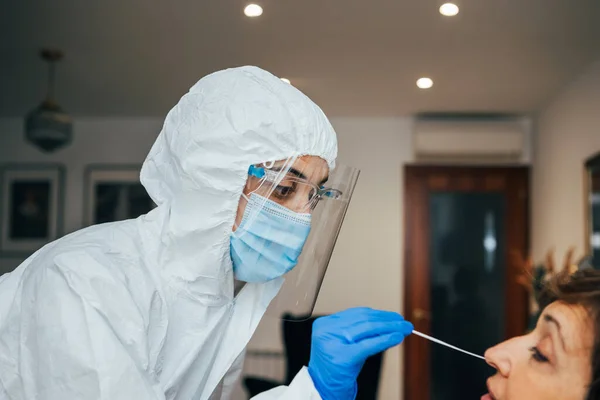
(114, 193)
(31, 208)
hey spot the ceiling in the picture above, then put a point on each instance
(353, 57)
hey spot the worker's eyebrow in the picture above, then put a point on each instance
(297, 173)
(300, 175)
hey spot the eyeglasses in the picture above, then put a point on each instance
(291, 191)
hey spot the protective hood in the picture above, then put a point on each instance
(198, 166)
(144, 308)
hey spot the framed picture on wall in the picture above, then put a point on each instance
(31, 206)
(114, 193)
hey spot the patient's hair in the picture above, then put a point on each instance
(581, 288)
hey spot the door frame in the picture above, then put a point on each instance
(419, 181)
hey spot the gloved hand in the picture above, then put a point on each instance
(342, 342)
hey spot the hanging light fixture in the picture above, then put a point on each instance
(47, 126)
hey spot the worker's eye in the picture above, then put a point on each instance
(537, 356)
(283, 191)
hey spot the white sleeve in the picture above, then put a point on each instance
(71, 338)
(301, 388)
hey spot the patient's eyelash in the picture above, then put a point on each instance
(537, 355)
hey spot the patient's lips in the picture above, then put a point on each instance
(490, 394)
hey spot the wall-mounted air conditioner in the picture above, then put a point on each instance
(493, 140)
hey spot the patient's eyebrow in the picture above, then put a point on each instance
(551, 320)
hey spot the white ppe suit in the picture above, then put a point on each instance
(145, 308)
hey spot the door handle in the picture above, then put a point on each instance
(419, 314)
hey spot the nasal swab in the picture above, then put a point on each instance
(446, 344)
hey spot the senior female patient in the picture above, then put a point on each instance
(560, 358)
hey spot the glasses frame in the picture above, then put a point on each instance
(273, 177)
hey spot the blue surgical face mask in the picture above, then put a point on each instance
(268, 241)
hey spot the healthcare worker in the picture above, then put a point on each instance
(163, 306)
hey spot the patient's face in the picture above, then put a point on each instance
(552, 362)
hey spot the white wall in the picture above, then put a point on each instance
(568, 131)
(366, 267)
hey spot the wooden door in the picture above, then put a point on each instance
(461, 224)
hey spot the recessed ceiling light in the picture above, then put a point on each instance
(424, 83)
(253, 10)
(449, 9)
(286, 80)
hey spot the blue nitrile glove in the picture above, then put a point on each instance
(342, 342)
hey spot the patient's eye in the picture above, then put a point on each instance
(537, 355)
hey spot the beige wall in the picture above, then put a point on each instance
(366, 268)
(568, 131)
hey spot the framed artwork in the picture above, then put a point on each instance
(114, 193)
(31, 206)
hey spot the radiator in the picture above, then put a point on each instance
(265, 364)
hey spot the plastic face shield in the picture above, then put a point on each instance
(305, 186)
